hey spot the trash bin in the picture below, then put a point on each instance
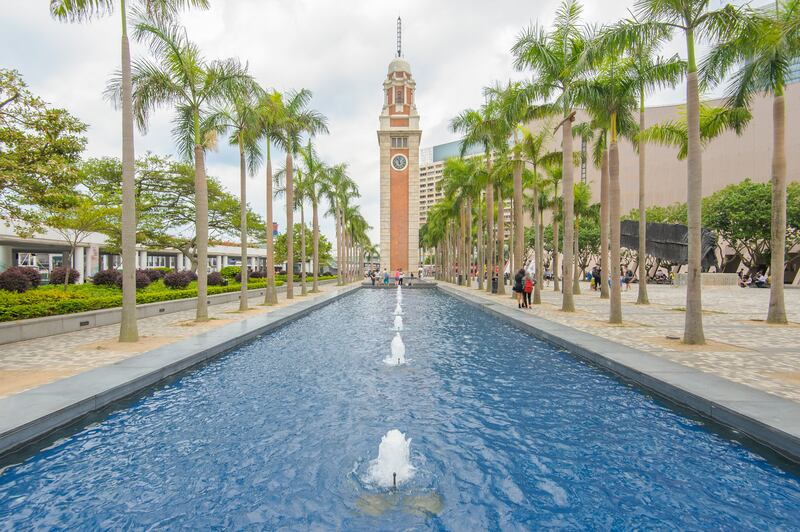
(494, 285)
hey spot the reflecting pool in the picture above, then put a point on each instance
(506, 432)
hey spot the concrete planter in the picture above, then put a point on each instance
(16, 331)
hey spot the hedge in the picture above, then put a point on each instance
(69, 304)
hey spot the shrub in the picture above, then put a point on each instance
(154, 274)
(229, 272)
(58, 275)
(177, 280)
(14, 280)
(110, 277)
(32, 274)
(258, 274)
(142, 280)
(216, 279)
(190, 274)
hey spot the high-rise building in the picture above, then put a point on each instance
(398, 138)
(431, 170)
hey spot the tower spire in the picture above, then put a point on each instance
(399, 37)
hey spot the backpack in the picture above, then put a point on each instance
(528, 285)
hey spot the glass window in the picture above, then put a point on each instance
(398, 95)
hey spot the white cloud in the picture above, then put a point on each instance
(339, 50)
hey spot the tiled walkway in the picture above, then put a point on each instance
(31, 363)
(750, 352)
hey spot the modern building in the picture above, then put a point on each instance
(398, 140)
(46, 250)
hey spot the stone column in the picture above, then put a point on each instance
(6, 258)
(80, 253)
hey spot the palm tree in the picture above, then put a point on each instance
(612, 93)
(533, 149)
(516, 108)
(180, 76)
(762, 53)
(483, 127)
(240, 116)
(597, 129)
(271, 114)
(696, 22)
(557, 61)
(84, 10)
(314, 173)
(339, 189)
(646, 72)
(299, 121)
(317, 176)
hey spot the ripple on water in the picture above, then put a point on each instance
(508, 433)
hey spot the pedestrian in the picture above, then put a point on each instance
(518, 286)
(372, 277)
(527, 290)
(385, 277)
(400, 279)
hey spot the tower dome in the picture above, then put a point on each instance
(399, 64)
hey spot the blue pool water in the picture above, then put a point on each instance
(507, 433)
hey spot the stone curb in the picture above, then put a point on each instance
(768, 419)
(28, 416)
(21, 330)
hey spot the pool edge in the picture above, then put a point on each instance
(768, 419)
(29, 416)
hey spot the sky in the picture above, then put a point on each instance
(340, 50)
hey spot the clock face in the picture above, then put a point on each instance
(399, 162)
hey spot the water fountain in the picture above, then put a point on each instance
(393, 465)
(398, 311)
(398, 356)
(398, 323)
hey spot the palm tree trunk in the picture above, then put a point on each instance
(512, 266)
(303, 290)
(243, 223)
(490, 240)
(537, 220)
(270, 294)
(615, 315)
(605, 265)
(289, 226)
(556, 272)
(468, 262)
(315, 236)
(128, 327)
(339, 244)
(519, 224)
(576, 270)
(567, 301)
(777, 308)
(641, 297)
(693, 326)
(201, 207)
(481, 251)
(501, 235)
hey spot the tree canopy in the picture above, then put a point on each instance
(39, 148)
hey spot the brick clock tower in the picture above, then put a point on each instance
(398, 139)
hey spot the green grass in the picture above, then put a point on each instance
(54, 300)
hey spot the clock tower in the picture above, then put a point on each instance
(398, 141)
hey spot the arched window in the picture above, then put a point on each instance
(399, 96)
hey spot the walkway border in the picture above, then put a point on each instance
(32, 328)
(31, 415)
(770, 420)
